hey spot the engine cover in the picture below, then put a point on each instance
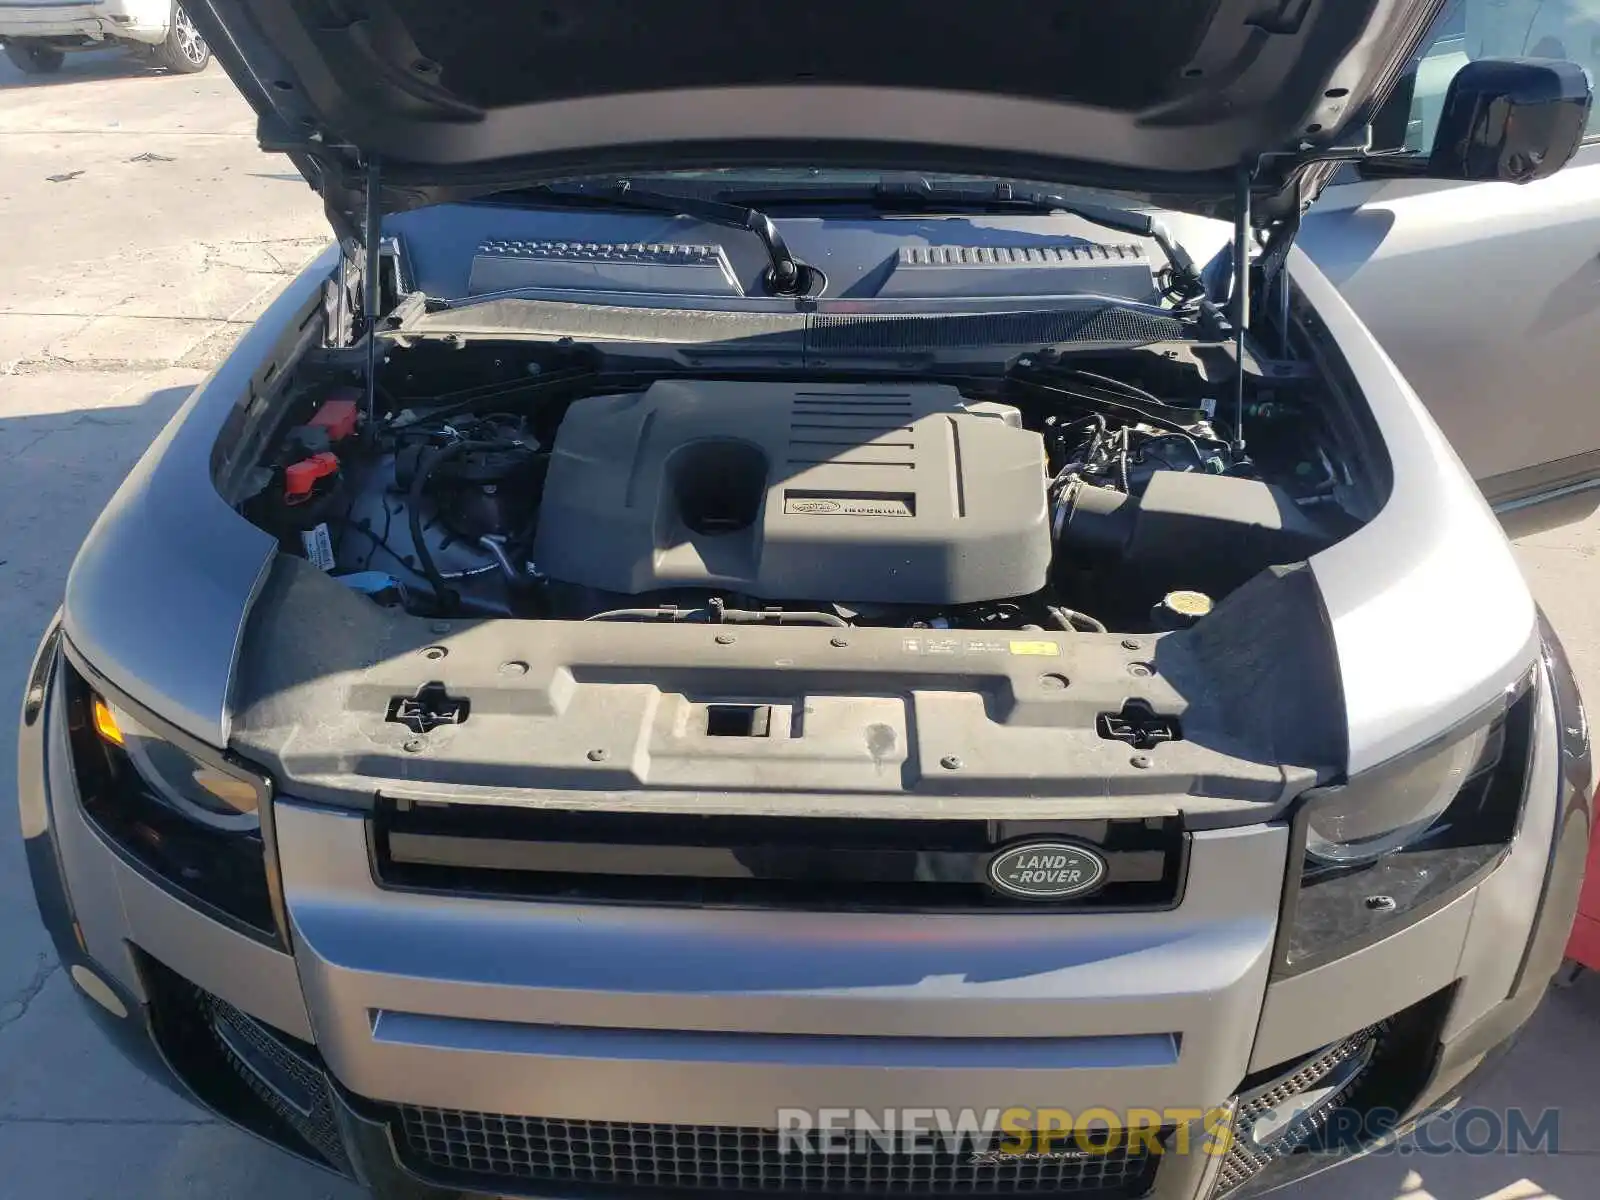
(827, 492)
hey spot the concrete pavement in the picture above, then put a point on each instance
(142, 232)
(123, 280)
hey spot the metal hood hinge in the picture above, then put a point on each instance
(355, 210)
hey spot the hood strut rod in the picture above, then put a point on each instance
(370, 292)
(1241, 296)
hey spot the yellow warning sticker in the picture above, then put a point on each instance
(1042, 649)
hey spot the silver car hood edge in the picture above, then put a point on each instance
(1430, 614)
(158, 596)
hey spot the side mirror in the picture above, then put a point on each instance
(1511, 120)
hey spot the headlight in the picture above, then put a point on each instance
(1385, 808)
(200, 791)
(1403, 839)
(184, 815)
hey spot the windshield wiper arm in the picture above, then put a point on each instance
(922, 193)
(785, 276)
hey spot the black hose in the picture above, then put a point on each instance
(1093, 395)
(1075, 621)
(1116, 385)
(419, 482)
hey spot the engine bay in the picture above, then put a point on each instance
(1090, 491)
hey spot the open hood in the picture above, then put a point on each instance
(1165, 97)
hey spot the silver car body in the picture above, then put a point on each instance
(1481, 292)
(101, 21)
(403, 1006)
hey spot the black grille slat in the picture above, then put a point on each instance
(737, 1160)
(757, 862)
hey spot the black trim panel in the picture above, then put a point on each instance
(33, 754)
(374, 1156)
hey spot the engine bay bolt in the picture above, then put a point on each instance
(412, 746)
(1381, 903)
(1129, 644)
(1142, 761)
(598, 756)
(514, 667)
(950, 762)
(838, 641)
(435, 652)
(725, 639)
(1140, 670)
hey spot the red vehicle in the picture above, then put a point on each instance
(1583, 947)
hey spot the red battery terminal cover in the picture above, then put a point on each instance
(299, 478)
(338, 415)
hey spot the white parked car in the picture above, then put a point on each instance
(37, 34)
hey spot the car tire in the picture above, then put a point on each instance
(184, 51)
(35, 57)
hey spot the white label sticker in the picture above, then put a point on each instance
(319, 550)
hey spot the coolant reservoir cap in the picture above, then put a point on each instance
(1179, 610)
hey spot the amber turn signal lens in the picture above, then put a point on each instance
(105, 723)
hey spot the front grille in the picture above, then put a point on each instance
(810, 863)
(1339, 1068)
(463, 1147)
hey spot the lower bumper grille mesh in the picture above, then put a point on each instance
(299, 1095)
(257, 1077)
(1331, 1077)
(734, 1159)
